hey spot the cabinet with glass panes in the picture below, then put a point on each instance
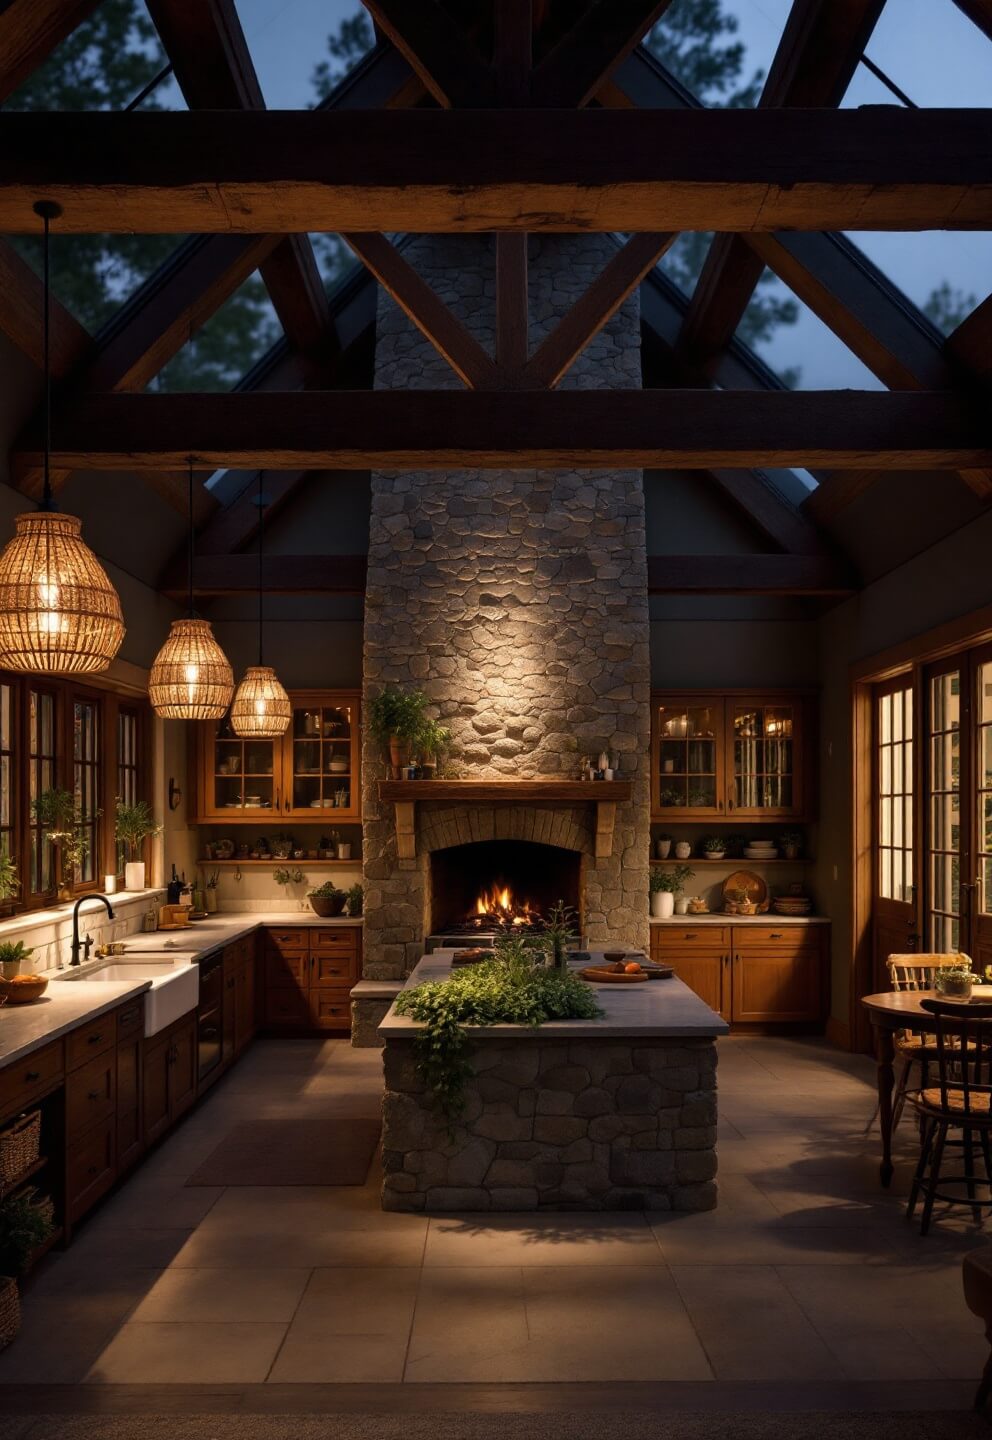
(312, 772)
(744, 755)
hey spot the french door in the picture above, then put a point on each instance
(896, 883)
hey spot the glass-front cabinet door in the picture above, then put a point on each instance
(688, 760)
(765, 739)
(241, 778)
(321, 757)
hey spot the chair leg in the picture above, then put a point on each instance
(933, 1179)
(968, 1151)
(902, 1086)
(985, 1384)
(928, 1130)
(983, 1136)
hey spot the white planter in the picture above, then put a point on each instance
(683, 850)
(662, 904)
(134, 875)
(682, 905)
(663, 848)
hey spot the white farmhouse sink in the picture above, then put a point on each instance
(175, 986)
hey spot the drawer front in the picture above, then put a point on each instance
(287, 940)
(131, 1019)
(322, 941)
(333, 969)
(291, 972)
(330, 1007)
(90, 1094)
(679, 937)
(784, 939)
(93, 1039)
(90, 1168)
(287, 1009)
(36, 1072)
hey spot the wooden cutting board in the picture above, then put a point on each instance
(612, 977)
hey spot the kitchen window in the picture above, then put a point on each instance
(128, 767)
(87, 778)
(42, 772)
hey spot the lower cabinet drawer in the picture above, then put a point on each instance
(666, 938)
(337, 939)
(330, 1007)
(286, 1008)
(89, 1040)
(287, 940)
(286, 971)
(90, 1094)
(131, 1019)
(25, 1078)
(90, 1168)
(333, 969)
(782, 939)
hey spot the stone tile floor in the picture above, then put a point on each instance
(806, 1273)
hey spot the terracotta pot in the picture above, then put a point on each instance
(327, 906)
(399, 755)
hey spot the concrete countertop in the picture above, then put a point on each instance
(718, 918)
(64, 1006)
(652, 1008)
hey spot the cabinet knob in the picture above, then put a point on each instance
(93, 1170)
(32, 1075)
(94, 1039)
(94, 1095)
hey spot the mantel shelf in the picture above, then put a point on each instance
(604, 794)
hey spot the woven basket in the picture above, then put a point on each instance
(10, 1311)
(20, 1146)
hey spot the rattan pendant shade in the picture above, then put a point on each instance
(191, 678)
(261, 708)
(59, 613)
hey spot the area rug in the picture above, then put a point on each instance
(292, 1152)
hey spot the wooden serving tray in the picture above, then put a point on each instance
(602, 976)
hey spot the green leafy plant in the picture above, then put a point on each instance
(672, 880)
(55, 811)
(431, 739)
(25, 1223)
(288, 877)
(8, 877)
(714, 845)
(559, 934)
(791, 840)
(327, 891)
(13, 953)
(354, 899)
(511, 989)
(666, 836)
(671, 797)
(396, 713)
(700, 797)
(134, 825)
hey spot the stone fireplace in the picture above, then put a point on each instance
(517, 600)
(477, 888)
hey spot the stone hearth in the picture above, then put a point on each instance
(518, 601)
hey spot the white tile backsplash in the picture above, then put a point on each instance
(257, 891)
(49, 932)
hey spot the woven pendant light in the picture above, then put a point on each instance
(59, 613)
(191, 677)
(261, 709)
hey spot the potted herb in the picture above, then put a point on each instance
(431, 740)
(134, 825)
(714, 847)
(954, 981)
(55, 812)
(395, 718)
(663, 846)
(327, 900)
(559, 934)
(792, 844)
(284, 876)
(9, 883)
(665, 885)
(354, 898)
(13, 953)
(282, 846)
(671, 797)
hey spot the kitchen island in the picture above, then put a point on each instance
(617, 1112)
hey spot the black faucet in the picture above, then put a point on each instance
(76, 946)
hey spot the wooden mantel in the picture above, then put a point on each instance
(604, 794)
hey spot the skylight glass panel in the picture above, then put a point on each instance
(92, 275)
(945, 273)
(301, 48)
(933, 53)
(233, 340)
(720, 51)
(795, 343)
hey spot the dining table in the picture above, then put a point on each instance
(890, 1012)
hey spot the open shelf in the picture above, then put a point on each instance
(280, 863)
(729, 860)
(24, 1177)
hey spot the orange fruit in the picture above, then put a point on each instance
(632, 968)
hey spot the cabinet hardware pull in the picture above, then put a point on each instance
(93, 1095)
(93, 1170)
(32, 1075)
(94, 1039)
(776, 935)
(127, 1016)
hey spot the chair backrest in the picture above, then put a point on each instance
(916, 972)
(964, 1054)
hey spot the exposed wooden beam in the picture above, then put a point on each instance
(513, 40)
(667, 575)
(970, 345)
(30, 31)
(212, 63)
(819, 51)
(561, 429)
(236, 524)
(583, 60)
(622, 273)
(835, 492)
(780, 521)
(512, 302)
(748, 575)
(22, 303)
(421, 302)
(980, 11)
(437, 49)
(437, 171)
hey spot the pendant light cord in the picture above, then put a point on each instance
(48, 210)
(189, 561)
(261, 529)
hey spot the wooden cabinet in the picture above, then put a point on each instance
(168, 1076)
(313, 772)
(239, 997)
(744, 756)
(754, 974)
(308, 975)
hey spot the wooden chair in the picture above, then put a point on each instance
(915, 972)
(960, 1100)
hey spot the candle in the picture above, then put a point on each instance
(109, 884)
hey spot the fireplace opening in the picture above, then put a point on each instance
(482, 887)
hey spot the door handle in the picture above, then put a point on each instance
(730, 797)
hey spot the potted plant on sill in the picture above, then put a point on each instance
(134, 825)
(714, 847)
(13, 954)
(430, 743)
(55, 811)
(25, 1225)
(326, 900)
(395, 718)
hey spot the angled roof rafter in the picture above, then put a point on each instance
(29, 32)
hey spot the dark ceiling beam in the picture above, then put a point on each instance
(970, 345)
(779, 520)
(667, 575)
(479, 170)
(443, 56)
(29, 32)
(979, 11)
(22, 303)
(214, 69)
(556, 429)
(819, 51)
(585, 58)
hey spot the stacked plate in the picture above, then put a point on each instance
(793, 905)
(760, 850)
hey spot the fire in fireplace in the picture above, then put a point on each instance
(483, 887)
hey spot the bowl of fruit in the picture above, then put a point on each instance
(22, 989)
